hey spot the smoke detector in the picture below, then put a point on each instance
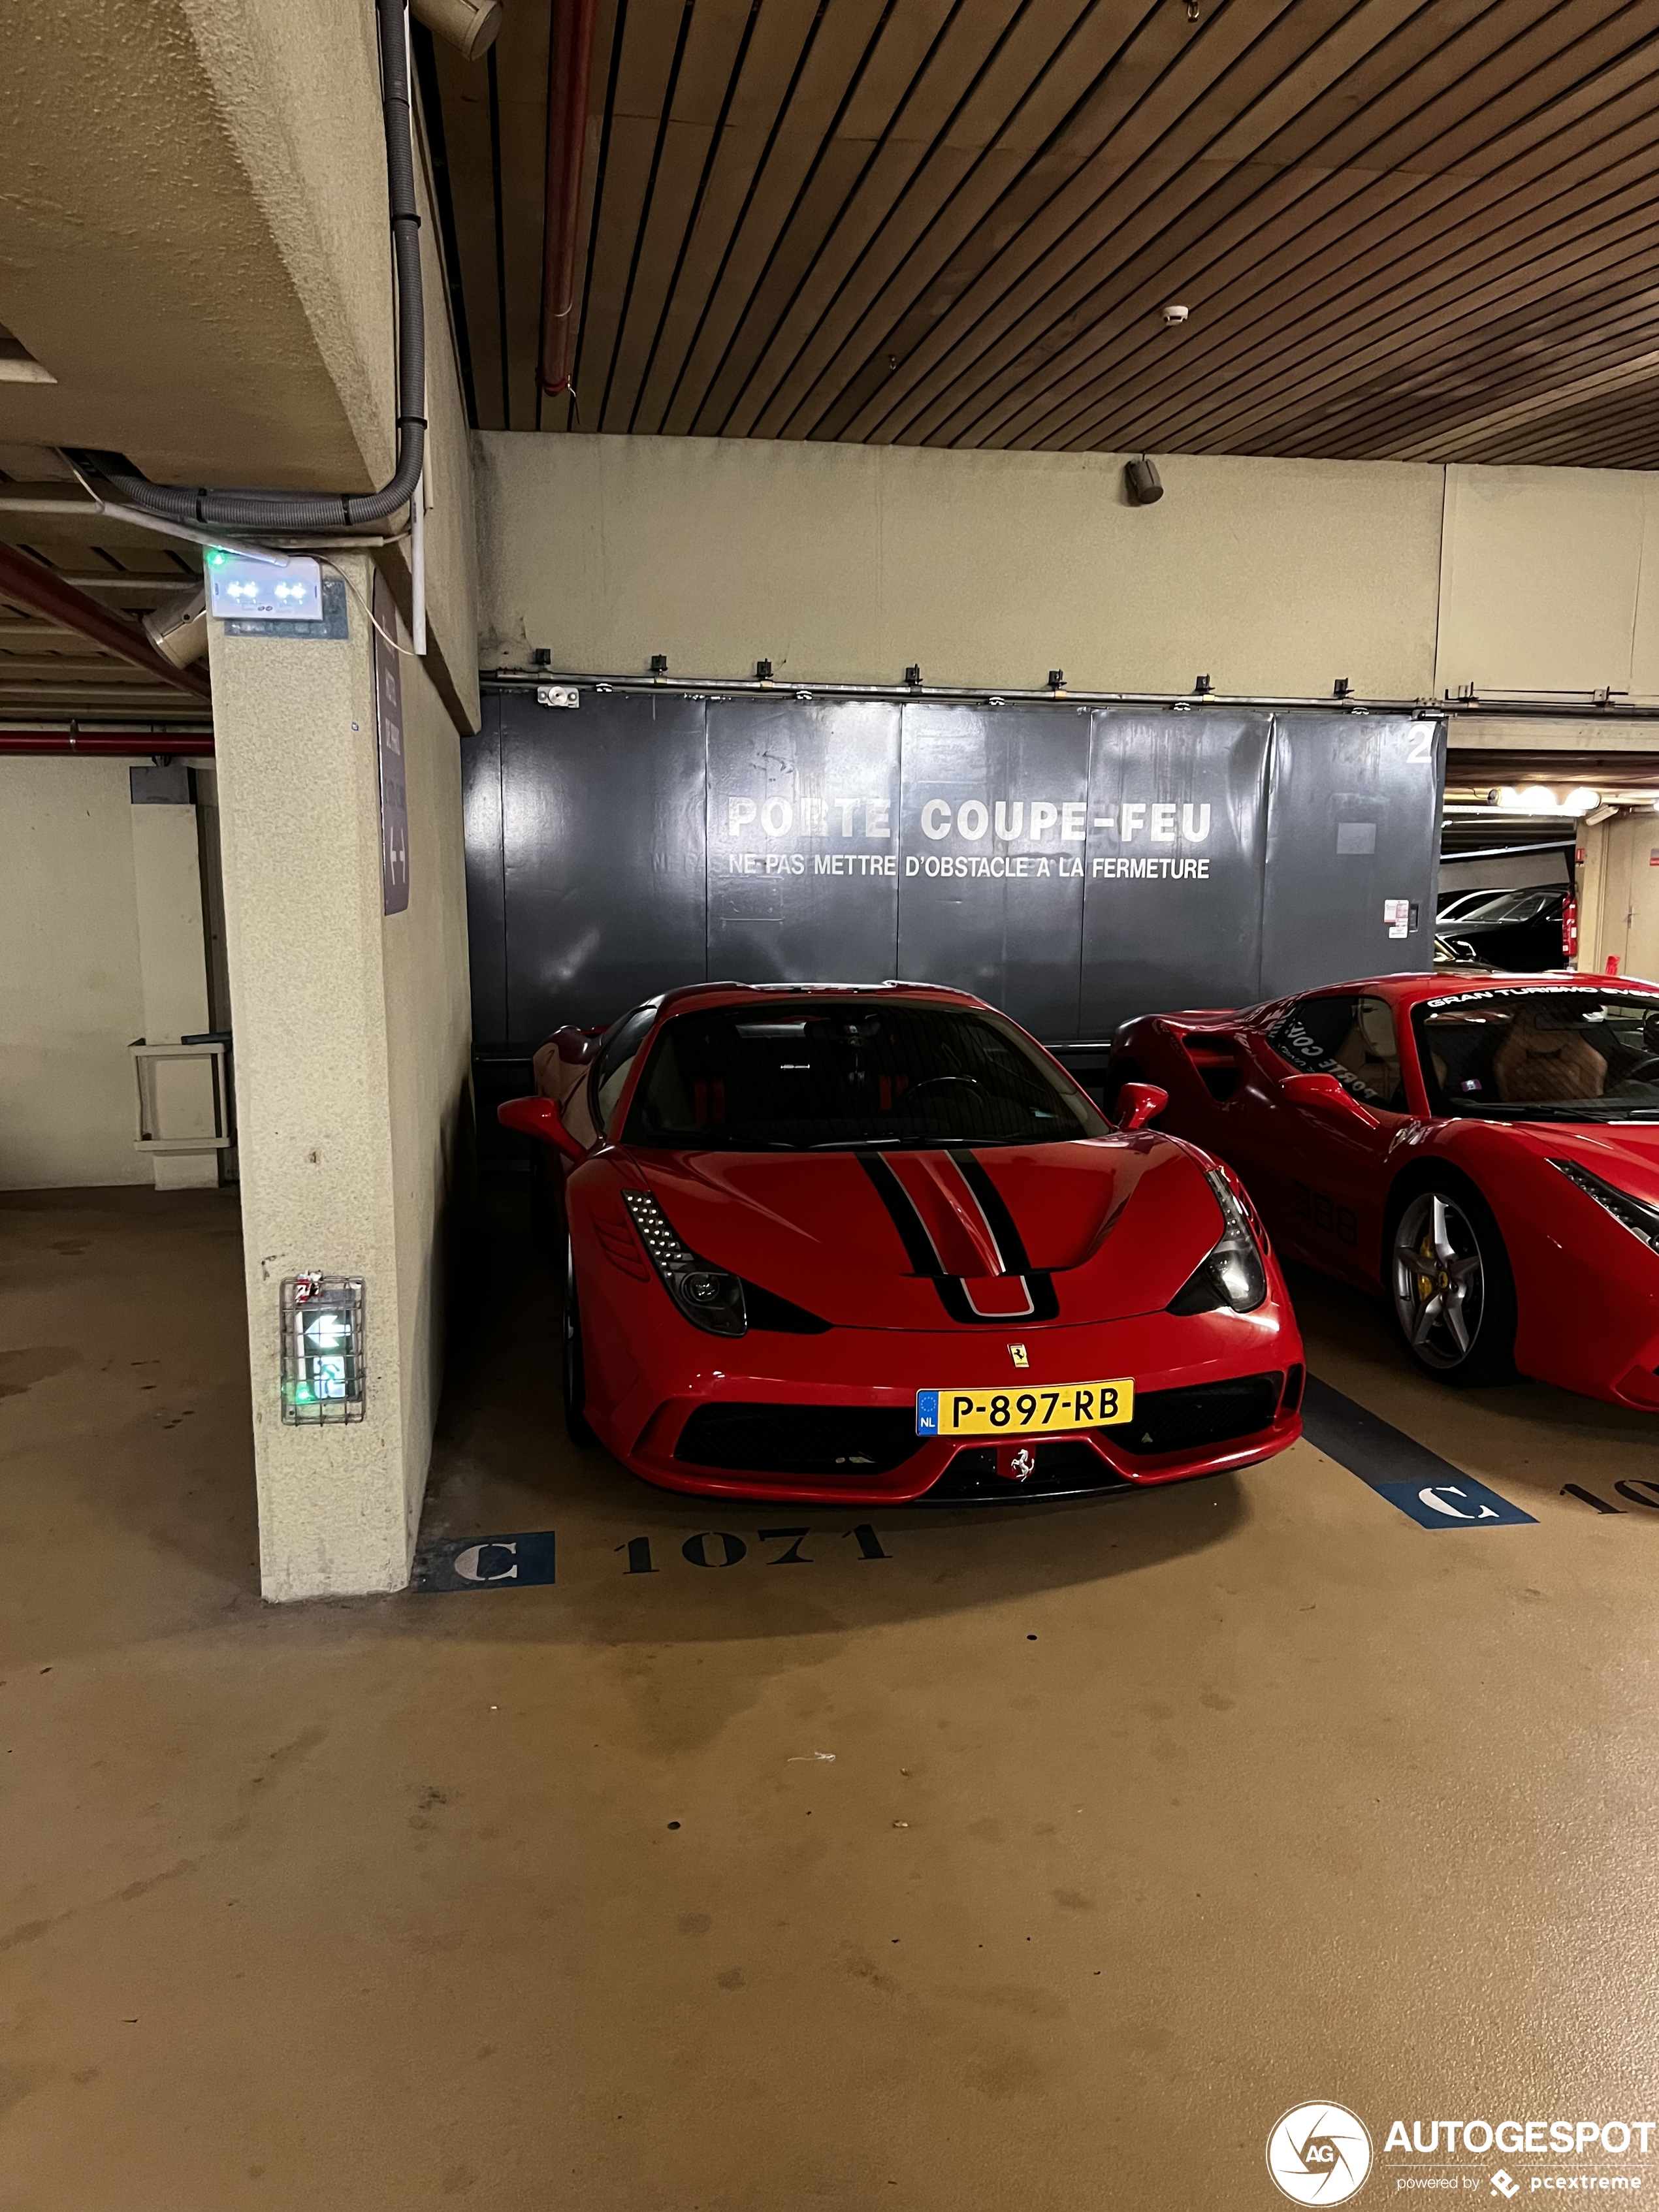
(1173, 315)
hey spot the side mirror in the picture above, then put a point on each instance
(1137, 1103)
(1327, 1095)
(540, 1118)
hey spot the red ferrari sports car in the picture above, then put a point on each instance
(869, 1243)
(1484, 1149)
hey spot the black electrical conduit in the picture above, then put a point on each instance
(285, 511)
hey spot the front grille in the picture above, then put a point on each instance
(849, 1440)
(1207, 1413)
(1065, 1468)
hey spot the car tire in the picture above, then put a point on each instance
(573, 1369)
(1449, 1286)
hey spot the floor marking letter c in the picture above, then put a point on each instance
(466, 1564)
(1432, 1496)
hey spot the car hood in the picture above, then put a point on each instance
(1622, 1152)
(881, 1239)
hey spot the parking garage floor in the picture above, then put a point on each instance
(1037, 1856)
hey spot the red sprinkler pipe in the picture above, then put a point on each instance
(30, 584)
(570, 57)
(100, 744)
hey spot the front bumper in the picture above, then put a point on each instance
(884, 1369)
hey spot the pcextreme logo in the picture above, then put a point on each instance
(1319, 2153)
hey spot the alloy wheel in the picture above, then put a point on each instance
(1439, 1281)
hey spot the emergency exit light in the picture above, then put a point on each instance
(322, 1351)
(241, 587)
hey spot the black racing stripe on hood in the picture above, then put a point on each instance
(993, 1206)
(913, 1231)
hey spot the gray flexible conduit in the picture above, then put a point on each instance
(286, 511)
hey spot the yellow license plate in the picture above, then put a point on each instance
(1028, 1411)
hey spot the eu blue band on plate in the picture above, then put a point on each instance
(927, 1412)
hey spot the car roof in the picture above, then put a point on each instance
(1410, 990)
(691, 995)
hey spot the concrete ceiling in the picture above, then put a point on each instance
(1407, 229)
(1471, 773)
(171, 287)
(160, 262)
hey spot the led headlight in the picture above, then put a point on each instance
(708, 1297)
(1636, 1215)
(1233, 1274)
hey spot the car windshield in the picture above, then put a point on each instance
(1469, 904)
(811, 1074)
(1515, 906)
(1521, 1054)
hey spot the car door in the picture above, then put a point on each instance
(1323, 1188)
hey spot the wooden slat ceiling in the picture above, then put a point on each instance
(1405, 229)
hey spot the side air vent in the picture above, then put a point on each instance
(1218, 1062)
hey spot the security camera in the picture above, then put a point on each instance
(1173, 315)
(177, 628)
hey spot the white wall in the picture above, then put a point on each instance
(71, 991)
(843, 562)
(173, 957)
(1619, 897)
(1550, 581)
(850, 562)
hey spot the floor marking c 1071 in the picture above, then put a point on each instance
(1426, 1488)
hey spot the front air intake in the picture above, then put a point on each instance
(844, 1441)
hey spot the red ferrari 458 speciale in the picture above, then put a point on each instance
(869, 1243)
(1485, 1150)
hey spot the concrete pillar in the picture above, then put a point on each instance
(172, 962)
(351, 1040)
